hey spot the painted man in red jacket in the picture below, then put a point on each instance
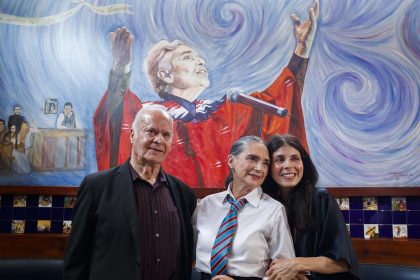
(203, 129)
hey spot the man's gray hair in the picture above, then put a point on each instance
(157, 59)
(146, 109)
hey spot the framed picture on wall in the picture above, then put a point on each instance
(51, 106)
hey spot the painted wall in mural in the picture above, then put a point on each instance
(73, 73)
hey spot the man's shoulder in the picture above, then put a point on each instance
(102, 175)
(179, 185)
(172, 180)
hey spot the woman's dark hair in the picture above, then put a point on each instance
(238, 147)
(300, 197)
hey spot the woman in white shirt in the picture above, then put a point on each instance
(262, 232)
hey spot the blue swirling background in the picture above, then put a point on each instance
(361, 95)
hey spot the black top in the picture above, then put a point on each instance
(330, 239)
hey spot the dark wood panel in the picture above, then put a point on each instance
(41, 190)
(33, 246)
(374, 191)
(388, 251)
(52, 246)
(344, 191)
(202, 192)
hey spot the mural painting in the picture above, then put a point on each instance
(74, 73)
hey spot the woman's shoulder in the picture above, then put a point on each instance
(214, 197)
(321, 193)
(324, 201)
(211, 201)
(270, 202)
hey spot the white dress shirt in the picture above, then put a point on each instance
(60, 119)
(262, 233)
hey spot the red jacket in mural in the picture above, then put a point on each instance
(204, 130)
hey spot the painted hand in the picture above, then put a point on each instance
(121, 41)
(305, 31)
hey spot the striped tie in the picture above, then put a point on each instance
(223, 242)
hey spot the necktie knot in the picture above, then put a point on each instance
(236, 205)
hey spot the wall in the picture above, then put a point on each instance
(360, 97)
(53, 213)
(383, 248)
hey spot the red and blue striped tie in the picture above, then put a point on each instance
(223, 241)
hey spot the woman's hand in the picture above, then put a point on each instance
(222, 277)
(284, 269)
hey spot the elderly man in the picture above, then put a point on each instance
(134, 221)
(204, 129)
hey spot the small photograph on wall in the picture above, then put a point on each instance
(19, 201)
(43, 226)
(51, 106)
(371, 231)
(45, 201)
(18, 226)
(66, 227)
(69, 201)
(399, 231)
(399, 204)
(343, 203)
(370, 203)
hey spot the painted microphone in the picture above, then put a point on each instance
(236, 96)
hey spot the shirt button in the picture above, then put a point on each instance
(155, 211)
(157, 260)
(157, 234)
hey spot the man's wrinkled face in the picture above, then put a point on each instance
(152, 138)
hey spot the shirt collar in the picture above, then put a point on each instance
(253, 197)
(190, 106)
(135, 175)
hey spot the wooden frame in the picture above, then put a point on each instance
(52, 246)
(40, 190)
(201, 192)
(374, 191)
